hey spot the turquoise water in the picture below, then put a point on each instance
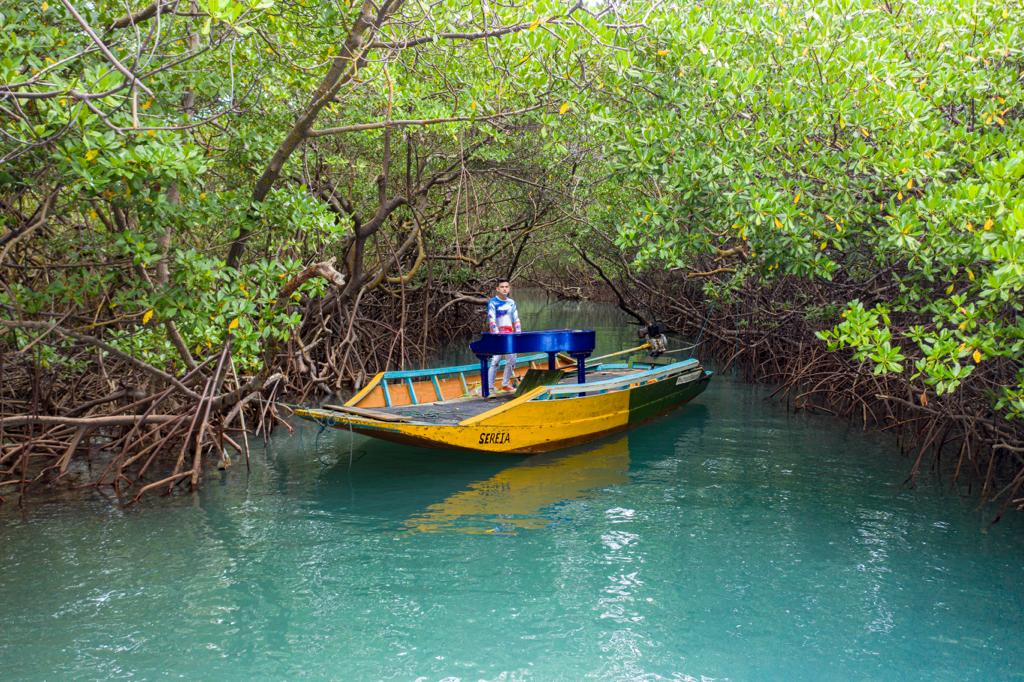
(729, 541)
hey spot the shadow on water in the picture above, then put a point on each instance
(452, 491)
(514, 498)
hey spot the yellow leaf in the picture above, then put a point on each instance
(823, 245)
(1006, 12)
(778, 223)
(910, 183)
(778, 40)
(151, 133)
(93, 214)
(864, 132)
(962, 326)
(796, 199)
(988, 225)
(977, 356)
(949, 289)
(45, 6)
(534, 24)
(472, 105)
(662, 53)
(923, 399)
(91, 154)
(970, 227)
(202, 196)
(899, 196)
(233, 324)
(147, 104)
(147, 316)
(970, 274)
(1000, 121)
(564, 108)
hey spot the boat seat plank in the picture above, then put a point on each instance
(373, 414)
(539, 377)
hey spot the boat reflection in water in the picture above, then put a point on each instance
(515, 498)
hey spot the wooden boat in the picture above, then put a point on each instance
(448, 408)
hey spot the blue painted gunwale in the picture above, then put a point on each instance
(590, 385)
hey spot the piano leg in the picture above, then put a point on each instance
(581, 368)
(485, 390)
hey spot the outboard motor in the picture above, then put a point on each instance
(654, 334)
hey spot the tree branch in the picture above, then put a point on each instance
(144, 14)
(398, 123)
(132, 78)
(93, 341)
(344, 68)
(474, 35)
(113, 420)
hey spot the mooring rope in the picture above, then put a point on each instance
(700, 335)
(703, 326)
(323, 427)
(350, 444)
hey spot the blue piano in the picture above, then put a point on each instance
(578, 343)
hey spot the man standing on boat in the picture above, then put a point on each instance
(502, 318)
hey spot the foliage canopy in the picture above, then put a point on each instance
(182, 162)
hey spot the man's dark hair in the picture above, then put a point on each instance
(502, 280)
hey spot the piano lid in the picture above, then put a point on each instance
(572, 341)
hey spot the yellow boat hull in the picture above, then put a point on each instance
(537, 421)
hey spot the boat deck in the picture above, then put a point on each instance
(454, 411)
